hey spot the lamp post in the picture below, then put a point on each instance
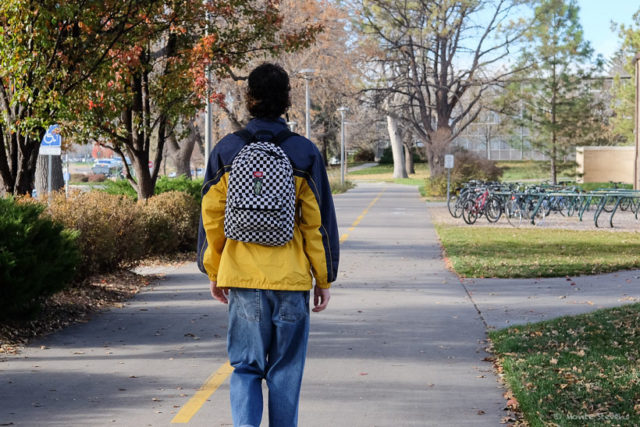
(343, 166)
(208, 131)
(637, 123)
(306, 75)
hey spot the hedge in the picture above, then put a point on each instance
(38, 257)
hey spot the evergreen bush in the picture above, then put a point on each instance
(120, 187)
(163, 185)
(38, 257)
(193, 187)
(364, 155)
(387, 156)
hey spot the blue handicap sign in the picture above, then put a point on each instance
(52, 138)
(51, 142)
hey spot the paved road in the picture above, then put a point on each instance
(400, 345)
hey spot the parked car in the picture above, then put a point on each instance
(106, 167)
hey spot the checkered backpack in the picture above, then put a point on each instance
(261, 195)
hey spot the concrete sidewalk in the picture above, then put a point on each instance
(401, 344)
(506, 302)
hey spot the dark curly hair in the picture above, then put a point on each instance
(268, 91)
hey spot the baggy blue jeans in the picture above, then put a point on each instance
(267, 338)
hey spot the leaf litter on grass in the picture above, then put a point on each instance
(576, 370)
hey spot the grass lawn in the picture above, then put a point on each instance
(385, 173)
(532, 169)
(498, 252)
(574, 371)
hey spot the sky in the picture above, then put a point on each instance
(596, 17)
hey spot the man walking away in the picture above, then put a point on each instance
(268, 229)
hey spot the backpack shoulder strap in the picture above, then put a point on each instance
(245, 135)
(265, 135)
(282, 136)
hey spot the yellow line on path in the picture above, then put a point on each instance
(208, 388)
(364, 212)
(217, 378)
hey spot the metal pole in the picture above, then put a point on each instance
(448, 182)
(68, 175)
(343, 166)
(521, 126)
(49, 175)
(306, 75)
(636, 185)
(208, 137)
(308, 108)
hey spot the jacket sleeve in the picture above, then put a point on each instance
(211, 238)
(318, 224)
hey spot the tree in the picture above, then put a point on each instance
(332, 84)
(624, 86)
(559, 108)
(48, 49)
(434, 52)
(397, 148)
(156, 80)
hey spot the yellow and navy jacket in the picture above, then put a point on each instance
(314, 249)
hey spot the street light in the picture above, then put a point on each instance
(208, 126)
(343, 167)
(306, 75)
(636, 169)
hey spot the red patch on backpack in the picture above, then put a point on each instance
(258, 174)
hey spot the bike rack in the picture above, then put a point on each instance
(579, 202)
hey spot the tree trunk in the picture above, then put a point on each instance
(325, 151)
(182, 152)
(399, 170)
(42, 175)
(437, 146)
(26, 161)
(144, 184)
(554, 177)
(408, 160)
(554, 104)
(182, 159)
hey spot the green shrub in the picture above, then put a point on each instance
(193, 187)
(163, 185)
(110, 228)
(37, 257)
(364, 155)
(120, 187)
(170, 222)
(387, 156)
(437, 186)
